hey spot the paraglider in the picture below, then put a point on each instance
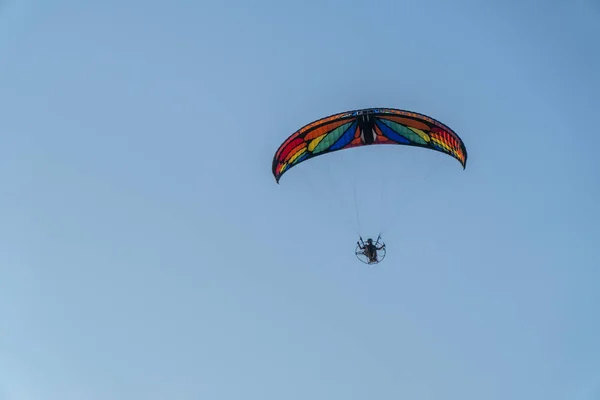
(366, 127)
(370, 253)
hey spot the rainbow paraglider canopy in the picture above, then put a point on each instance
(363, 128)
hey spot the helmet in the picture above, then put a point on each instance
(370, 240)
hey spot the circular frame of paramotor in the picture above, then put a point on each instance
(360, 254)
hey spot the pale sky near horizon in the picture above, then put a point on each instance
(146, 251)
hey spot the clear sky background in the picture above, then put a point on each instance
(146, 251)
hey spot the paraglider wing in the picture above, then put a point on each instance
(366, 127)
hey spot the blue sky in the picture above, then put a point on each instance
(146, 251)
